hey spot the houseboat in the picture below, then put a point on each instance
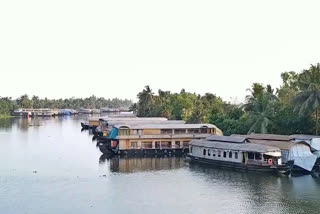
(84, 111)
(154, 139)
(236, 152)
(22, 112)
(42, 112)
(296, 153)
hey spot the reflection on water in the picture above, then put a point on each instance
(73, 177)
(139, 164)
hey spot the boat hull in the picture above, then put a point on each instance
(105, 148)
(239, 166)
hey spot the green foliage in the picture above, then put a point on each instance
(6, 106)
(292, 108)
(308, 99)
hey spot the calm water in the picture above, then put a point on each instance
(49, 166)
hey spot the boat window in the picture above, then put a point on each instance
(191, 149)
(214, 153)
(146, 145)
(258, 156)
(166, 131)
(157, 144)
(219, 153)
(250, 155)
(204, 130)
(134, 145)
(124, 132)
(224, 154)
(236, 155)
(265, 157)
(204, 151)
(185, 144)
(193, 131)
(179, 131)
(177, 144)
(230, 154)
(166, 144)
(209, 152)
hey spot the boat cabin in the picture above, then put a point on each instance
(164, 136)
(234, 152)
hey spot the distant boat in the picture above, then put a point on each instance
(42, 112)
(85, 111)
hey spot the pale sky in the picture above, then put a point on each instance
(67, 48)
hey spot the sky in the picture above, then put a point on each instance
(66, 48)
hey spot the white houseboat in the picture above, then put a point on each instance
(236, 152)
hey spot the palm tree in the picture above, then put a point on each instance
(308, 100)
(261, 107)
(146, 101)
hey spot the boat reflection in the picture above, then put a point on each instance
(140, 164)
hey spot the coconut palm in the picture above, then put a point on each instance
(261, 107)
(308, 100)
(146, 102)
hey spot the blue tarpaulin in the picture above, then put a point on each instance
(113, 133)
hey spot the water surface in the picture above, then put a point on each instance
(48, 165)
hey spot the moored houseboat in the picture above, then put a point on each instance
(236, 152)
(84, 111)
(155, 139)
(42, 112)
(296, 153)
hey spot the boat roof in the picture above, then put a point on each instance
(266, 137)
(228, 139)
(140, 122)
(164, 126)
(248, 147)
(129, 118)
(303, 137)
(283, 145)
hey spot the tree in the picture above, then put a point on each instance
(261, 108)
(24, 101)
(146, 102)
(308, 99)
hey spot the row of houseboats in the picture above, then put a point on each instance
(47, 112)
(128, 135)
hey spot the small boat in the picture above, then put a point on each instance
(84, 111)
(236, 152)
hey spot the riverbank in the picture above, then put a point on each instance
(5, 116)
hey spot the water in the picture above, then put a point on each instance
(49, 166)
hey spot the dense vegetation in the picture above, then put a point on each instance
(292, 108)
(7, 105)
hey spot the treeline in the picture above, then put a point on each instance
(8, 105)
(292, 108)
